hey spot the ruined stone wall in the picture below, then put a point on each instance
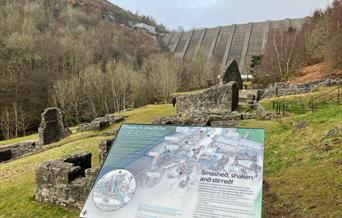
(104, 149)
(65, 182)
(283, 89)
(232, 73)
(52, 127)
(17, 150)
(222, 98)
(101, 123)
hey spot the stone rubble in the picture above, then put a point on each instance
(101, 123)
(230, 119)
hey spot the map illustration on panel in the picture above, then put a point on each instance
(114, 190)
(170, 171)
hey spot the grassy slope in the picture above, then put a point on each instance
(299, 104)
(303, 174)
(303, 167)
(17, 179)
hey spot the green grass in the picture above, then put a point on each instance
(299, 104)
(20, 139)
(187, 93)
(303, 174)
(17, 178)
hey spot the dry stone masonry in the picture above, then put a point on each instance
(215, 120)
(104, 149)
(65, 182)
(15, 151)
(283, 89)
(232, 73)
(101, 123)
(52, 127)
(219, 99)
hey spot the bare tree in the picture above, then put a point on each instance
(283, 56)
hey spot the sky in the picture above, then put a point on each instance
(211, 13)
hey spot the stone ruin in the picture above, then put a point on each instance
(104, 149)
(283, 89)
(52, 127)
(219, 99)
(101, 123)
(231, 74)
(15, 151)
(214, 120)
(214, 106)
(67, 182)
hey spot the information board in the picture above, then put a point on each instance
(156, 171)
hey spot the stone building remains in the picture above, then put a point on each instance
(65, 182)
(283, 89)
(101, 123)
(52, 127)
(15, 151)
(222, 98)
(231, 73)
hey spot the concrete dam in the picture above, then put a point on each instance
(239, 41)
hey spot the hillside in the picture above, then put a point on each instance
(315, 72)
(43, 42)
(115, 14)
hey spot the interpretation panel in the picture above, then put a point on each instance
(182, 172)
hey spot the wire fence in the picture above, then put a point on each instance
(331, 97)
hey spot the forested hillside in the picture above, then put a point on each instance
(81, 56)
(42, 42)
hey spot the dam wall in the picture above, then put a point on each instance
(239, 41)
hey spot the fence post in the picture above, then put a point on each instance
(273, 102)
(338, 95)
(278, 106)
